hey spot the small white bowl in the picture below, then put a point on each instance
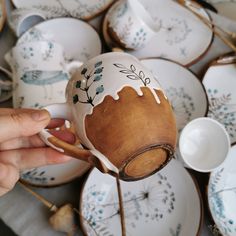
(204, 144)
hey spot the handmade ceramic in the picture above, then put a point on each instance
(5, 85)
(225, 8)
(182, 37)
(167, 203)
(204, 144)
(220, 83)
(82, 9)
(130, 25)
(184, 90)
(21, 20)
(75, 32)
(39, 68)
(130, 141)
(222, 195)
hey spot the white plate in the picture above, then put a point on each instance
(79, 39)
(82, 9)
(220, 83)
(80, 42)
(225, 8)
(166, 204)
(183, 89)
(222, 195)
(183, 37)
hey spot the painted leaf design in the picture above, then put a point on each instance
(98, 70)
(141, 75)
(126, 71)
(78, 84)
(133, 77)
(83, 71)
(99, 89)
(147, 81)
(119, 66)
(97, 78)
(98, 64)
(75, 99)
(132, 67)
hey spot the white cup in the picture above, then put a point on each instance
(204, 144)
(22, 19)
(130, 25)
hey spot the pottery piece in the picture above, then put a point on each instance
(21, 20)
(117, 145)
(222, 195)
(220, 83)
(131, 16)
(183, 89)
(81, 9)
(167, 203)
(204, 144)
(180, 40)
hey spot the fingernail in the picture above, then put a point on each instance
(40, 115)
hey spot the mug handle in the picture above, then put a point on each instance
(61, 110)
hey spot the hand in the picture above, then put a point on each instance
(20, 147)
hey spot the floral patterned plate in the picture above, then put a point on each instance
(79, 40)
(82, 9)
(222, 195)
(183, 89)
(182, 37)
(167, 203)
(220, 83)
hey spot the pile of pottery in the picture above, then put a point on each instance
(122, 80)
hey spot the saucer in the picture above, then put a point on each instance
(166, 203)
(182, 38)
(79, 40)
(183, 89)
(220, 83)
(222, 195)
(225, 8)
(82, 9)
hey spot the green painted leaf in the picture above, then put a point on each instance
(75, 99)
(83, 71)
(98, 70)
(97, 78)
(78, 84)
(99, 89)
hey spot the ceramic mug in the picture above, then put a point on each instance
(130, 25)
(204, 144)
(22, 19)
(121, 116)
(39, 68)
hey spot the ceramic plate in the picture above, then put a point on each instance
(83, 44)
(79, 39)
(182, 37)
(225, 8)
(222, 195)
(82, 9)
(220, 83)
(166, 203)
(183, 89)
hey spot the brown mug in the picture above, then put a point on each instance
(121, 116)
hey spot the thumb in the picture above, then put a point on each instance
(25, 123)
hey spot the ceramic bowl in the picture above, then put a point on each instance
(222, 195)
(180, 40)
(183, 89)
(166, 203)
(220, 83)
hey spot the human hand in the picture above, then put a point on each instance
(20, 147)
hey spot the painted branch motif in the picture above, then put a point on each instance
(133, 74)
(90, 77)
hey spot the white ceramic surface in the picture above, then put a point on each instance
(91, 83)
(82, 9)
(167, 203)
(79, 40)
(182, 37)
(220, 83)
(204, 144)
(132, 24)
(183, 89)
(222, 195)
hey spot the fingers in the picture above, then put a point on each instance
(24, 124)
(31, 158)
